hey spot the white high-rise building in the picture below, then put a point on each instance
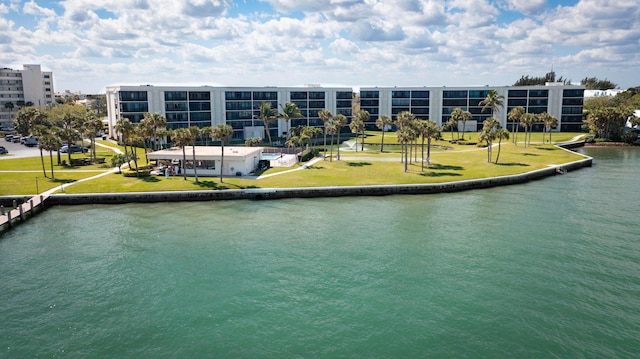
(18, 88)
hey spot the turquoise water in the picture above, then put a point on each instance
(546, 269)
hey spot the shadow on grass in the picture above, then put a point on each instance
(358, 164)
(530, 154)
(513, 164)
(436, 166)
(439, 174)
(314, 168)
(149, 179)
(546, 148)
(217, 186)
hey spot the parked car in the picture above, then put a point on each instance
(15, 139)
(73, 149)
(31, 142)
(3, 151)
(8, 138)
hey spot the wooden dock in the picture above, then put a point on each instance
(9, 217)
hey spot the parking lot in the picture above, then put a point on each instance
(16, 150)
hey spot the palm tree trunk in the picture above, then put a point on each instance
(42, 160)
(338, 156)
(331, 155)
(222, 162)
(382, 145)
(184, 161)
(422, 155)
(53, 177)
(193, 152)
(498, 156)
(429, 151)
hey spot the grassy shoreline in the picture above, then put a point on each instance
(456, 163)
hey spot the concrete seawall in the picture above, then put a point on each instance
(311, 192)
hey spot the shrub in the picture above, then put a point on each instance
(132, 173)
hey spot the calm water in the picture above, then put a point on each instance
(542, 270)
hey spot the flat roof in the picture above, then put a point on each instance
(205, 152)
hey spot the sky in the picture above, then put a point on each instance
(91, 44)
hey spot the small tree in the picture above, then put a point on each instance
(382, 123)
(222, 133)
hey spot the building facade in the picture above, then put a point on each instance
(29, 86)
(565, 102)
(239, 106)
(235, 106)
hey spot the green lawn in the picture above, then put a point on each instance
(450, 162)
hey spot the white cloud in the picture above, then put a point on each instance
(386, 42)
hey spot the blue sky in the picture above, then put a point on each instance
(91, 44)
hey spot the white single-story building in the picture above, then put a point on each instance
(238, 161)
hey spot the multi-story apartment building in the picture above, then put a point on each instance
(236, 106)
(565, 102)
(29, 86)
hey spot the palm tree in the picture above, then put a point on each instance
(404, 137)
(501, 133)
(205, 134)
(459, 115)
(340, 120)
(325, 115)
(155, 121)
(92, 125)
(430, 130)
(182, 138)
(403, 120)
(249, 142)
(515, 116)
(527, 121)
(493, 101)
(194, 133)
(50, 142)
(363, 117)
(267, 115)
(382, 123)
(356, 126)
(450, 124)
(40, 131)
(331, 128)
(222, 133)
(124, 127)
(548, 122)
(10, 106)
(144, 130)
(290, 111)
(488, 134)
(292, 142)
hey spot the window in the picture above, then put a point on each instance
(316, 95)
(199, 106)
(454, 94)
(198, 96)
(343, 95)
(517, 93)
(400, 94)
(175, 96)
(133, 95)
(369, 94)
(420, 94)
(538, 93)
(265, 96)
(298, 95)
(573, 93)
(237, 95)
(478, 93)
